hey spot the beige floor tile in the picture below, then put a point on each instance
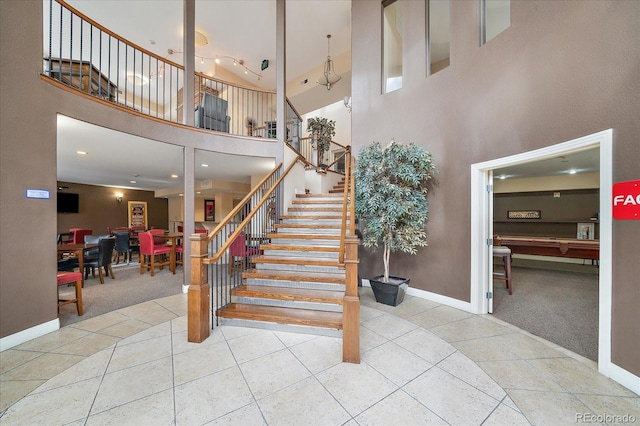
(55, 407)
(370, 339)
(426, 345)
(439, 315)
(293, 339)
(88, 345)
(509, 403)
(156, 410)
(286, 407)
(13, 391)
(50, 341)
(124, 386)
(12, 358)
(202, 361)
(548, 408)
(141, 310)
(319, 353)
(504, 415)
(179, 324)
(148, 334)
(181, 344)
(613, 405)
(88, 368)
(577, 378)
(518, 374)
(389, 326)
(126, 328)
(230, 332)
(272, 373)
(399, 409)
(411, 306)
(366, 313)
(42, 368)
(463, 368)
(356, 386)
(249, 415)
(139, 353)
(100, 322)
(215, 396)
(474, 327)
(158, 317)
(450, 398)
(395, 363)
(490, 349)
(254, 345)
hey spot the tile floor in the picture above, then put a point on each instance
(422, 363)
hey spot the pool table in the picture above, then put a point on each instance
(550, 246)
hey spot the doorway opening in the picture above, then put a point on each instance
(482, 228)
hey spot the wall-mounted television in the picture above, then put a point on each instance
(68, 203)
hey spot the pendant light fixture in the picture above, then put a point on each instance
(329, 76)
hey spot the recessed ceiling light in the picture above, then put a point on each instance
(81, 152)
(198, 192)
(572, 172)
(133, 181)
(503, 177)
(174, 176)
(204, 165)
(182, 195)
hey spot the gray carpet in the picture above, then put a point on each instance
(558, 305)
(127, 289)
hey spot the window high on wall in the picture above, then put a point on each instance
(495, 17)
(391, 46)
(438, 37)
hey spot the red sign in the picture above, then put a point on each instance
(626, 200)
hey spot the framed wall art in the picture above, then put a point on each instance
(138, 214)
(209, 210)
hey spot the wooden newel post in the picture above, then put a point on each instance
(351, 304)
(199, 293)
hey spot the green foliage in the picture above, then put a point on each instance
(391, 196)
(326, 130)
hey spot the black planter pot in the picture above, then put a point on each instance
(389, 293)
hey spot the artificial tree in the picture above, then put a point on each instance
(391, 197)
(321, 131)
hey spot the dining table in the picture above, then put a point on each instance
(171, 240)
(78, 251)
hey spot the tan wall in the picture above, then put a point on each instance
(564, 69)
(99, 208)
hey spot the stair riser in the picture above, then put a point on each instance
(304, 242)
(302, 254)
(331, 199)
(296, 284)
(303, 221)
(318, 205)
(308, 231)
(332, 307)
(318, 331)
(302, 268)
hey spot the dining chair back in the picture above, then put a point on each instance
(103, 261)
(152, 255)
(124, 247)
(239, 253)
(78, 234)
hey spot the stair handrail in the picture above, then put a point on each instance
(348, 172)
(247, 219)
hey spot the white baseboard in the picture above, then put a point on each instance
(15, 339)
(434, 297)
(624, 377)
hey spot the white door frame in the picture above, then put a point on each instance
(480, 250)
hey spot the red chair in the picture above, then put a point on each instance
(157, 240)
(77, 234)
(180, 228)
(201, 231)
(149, 251)
(239, 249)
(65, 277)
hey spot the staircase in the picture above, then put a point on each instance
(297, 284)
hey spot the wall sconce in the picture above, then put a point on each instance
(119, 197)
(347, 103)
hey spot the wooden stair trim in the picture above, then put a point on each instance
(334, 200)
(282, 315)
(304, 236)
(296, 276)
(311, 217)
(289, 294)
(329, 249)
(305, 226)
(294, 261)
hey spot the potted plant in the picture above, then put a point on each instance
(321, 131)
(391, 205)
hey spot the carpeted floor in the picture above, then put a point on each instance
(127, 289)
(558, 305)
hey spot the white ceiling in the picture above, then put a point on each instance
(587, 161)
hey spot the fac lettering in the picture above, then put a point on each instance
(626, 200)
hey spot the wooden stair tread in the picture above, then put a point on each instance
(305, 225)
(304, 236)
(311, 217)
(334, 200)
(298, 276)
(315, 209)
(287, 293)
(282, 315)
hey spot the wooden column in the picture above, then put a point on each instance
(351, 304)
(199, 293)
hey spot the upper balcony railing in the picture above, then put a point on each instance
(83, 54)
